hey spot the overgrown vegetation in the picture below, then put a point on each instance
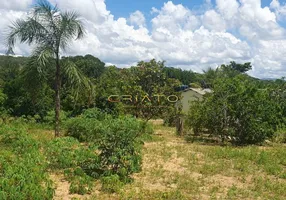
(118, 141)
(23, 169)
(238, 109)
(105, 113)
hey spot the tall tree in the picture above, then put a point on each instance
(51, 31)
(149, 93)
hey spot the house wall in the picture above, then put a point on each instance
(187, 97)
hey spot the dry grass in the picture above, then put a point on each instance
(174, 169)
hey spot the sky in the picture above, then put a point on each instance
(188, 34)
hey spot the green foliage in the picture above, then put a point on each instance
(17, 139)
(237, 109)
(84, 129)
(22, 167)
(3, 98)
(95, 113)
(120, 149)
(80, 183)
(93, 124)
(76, 160)
(110, 83)
(184, 76)
(91, 66)
(50, 117)
(118, 139)
(196, 119)
(149, 89)
(111, 184)
(171, 118)
(195, 85)
(280, 136)
(63, 152)
(233, 69)
(242, 68)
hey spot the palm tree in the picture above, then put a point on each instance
(50, 31)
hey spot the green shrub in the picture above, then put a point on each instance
(80, 183)
(62, 152)
(67, 152)
(120, 148)
(119, 143)
(111, 184)
(77, 160)
(195, 85)
(84, 129)
(88, 126)
(280, 136)
(22, 167)
(18, 140)
(95, 113)
(146, 129)
(50, 117)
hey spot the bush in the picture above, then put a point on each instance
(120, 148)
(170, 118)
(95, 113)
(85, 129)
(146, 129)
(88, 126)
(22, 167)
(50, 117)
(118, 142)
(67, 152)
(195, 85)
(63, 152)
(80, 183)
(111, 184)
(280, 136)
(78, 162)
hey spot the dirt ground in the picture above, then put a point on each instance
(175, 169)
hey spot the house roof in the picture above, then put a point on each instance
(199, 90)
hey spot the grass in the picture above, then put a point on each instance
(175, 169)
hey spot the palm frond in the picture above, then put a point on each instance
(71, 27)
(42, 55)
(75, 78)
(27, 31)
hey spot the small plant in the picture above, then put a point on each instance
(62, 152)
(22, 167)
(84, 129)
(111, 184)
(80, 183)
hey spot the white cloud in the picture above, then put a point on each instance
(7, 17)
(280, 10)
(137, 18)
(228, 8)
(16, 5)
(231, 30)
(213, 21)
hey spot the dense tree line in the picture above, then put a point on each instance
(26, 91)
(241, 108)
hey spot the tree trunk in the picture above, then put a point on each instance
(57, 98)
(180, 126)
